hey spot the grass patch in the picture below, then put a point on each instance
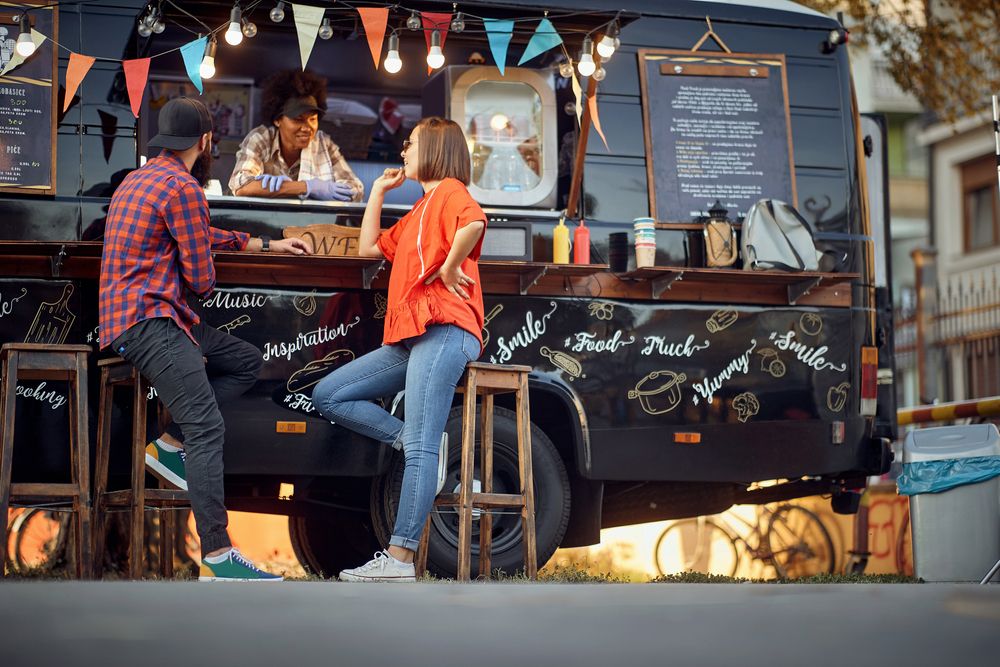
(700, 578)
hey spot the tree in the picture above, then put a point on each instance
(944, 52)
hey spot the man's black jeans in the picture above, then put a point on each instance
(192, 389)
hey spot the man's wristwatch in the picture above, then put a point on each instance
(265, 244)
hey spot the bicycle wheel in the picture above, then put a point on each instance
(39, 539)
(800, 545)
(696, 545)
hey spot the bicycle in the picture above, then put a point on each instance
(37, 538)
(790, 540)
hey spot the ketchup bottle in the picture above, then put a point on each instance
(581, 244)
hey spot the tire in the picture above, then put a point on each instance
(40, 539)
(327, 541)
(552, 499)
(696, 545)
(799, 544)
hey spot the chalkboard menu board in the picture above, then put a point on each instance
(28, 105)
(717, 127)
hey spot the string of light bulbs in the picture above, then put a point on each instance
(239, 26)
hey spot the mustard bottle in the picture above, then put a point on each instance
(560, 243)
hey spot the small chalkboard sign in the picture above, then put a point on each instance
(716, 127)
(28, 103)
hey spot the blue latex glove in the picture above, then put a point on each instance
(317, 188)
(271, 182)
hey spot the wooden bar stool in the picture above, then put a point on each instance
(487, 380)
(33, 361)
(118, 373)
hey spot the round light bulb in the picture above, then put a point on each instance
(435, 58)
(413, 23)
(606, 47)
(499, 122)
(234, 35)
(144, 30)
(249, 28)
(25, 47)
(326, 30)
(393, 63)
(566, 70)
(207, 69)
(586, 66)
(159, 26)
(278, 13)
(600, 73)
(458, 23)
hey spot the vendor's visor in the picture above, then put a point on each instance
(297, 106)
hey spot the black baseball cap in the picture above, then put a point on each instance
(182, 121)
(296, 106)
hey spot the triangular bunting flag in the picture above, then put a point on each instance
(499, 32)
(193, 53)
(592, 104)
(17, 59)
(374, 20)
(544, 38)
(435, 21)
(75, 71)
(109, 130)
(307, 22)
(578, 94)
(136, 73)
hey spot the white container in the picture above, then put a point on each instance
(956, 533)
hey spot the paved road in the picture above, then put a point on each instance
(476, 625)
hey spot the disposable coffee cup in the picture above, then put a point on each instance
(618, 252)
(645, 255)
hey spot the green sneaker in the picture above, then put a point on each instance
(167, 466)
(234, 568)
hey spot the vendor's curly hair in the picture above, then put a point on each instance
(281, 86)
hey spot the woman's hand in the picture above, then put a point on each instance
(454, 279)
(389, 180)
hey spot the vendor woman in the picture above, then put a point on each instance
(289, 156)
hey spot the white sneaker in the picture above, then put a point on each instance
(383, 568)
(442, 463)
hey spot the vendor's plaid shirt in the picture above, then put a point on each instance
(260, 153)
(158, 246)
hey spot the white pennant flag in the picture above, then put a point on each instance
(17, 59)
(578, 94)
(307, 22)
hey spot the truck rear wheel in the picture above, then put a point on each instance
(327, 541)
(552, 499)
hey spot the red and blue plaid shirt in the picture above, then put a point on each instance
(157, 246)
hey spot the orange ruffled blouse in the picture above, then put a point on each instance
(417, 246)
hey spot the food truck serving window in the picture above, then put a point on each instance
(503, 123)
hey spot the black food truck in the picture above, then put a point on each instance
(658, 391)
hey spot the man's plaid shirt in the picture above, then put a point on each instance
(260, 153)
(157, 246)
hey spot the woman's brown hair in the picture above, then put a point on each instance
(442, 151)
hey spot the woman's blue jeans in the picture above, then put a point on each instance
(428, 367)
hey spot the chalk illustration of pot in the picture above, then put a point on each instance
(494, 311)
(305, 304)
(770, 363)
(836, 397)
(721, 319)
(314, 371)
(563, 362)
(659, 392)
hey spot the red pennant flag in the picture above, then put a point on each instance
(435, 21)
(77, 69)
(374, 20)
(136, 73)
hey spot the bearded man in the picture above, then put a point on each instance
(158, 247)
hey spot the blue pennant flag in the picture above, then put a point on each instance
(499, 32)
(193, 53)
(545, 38)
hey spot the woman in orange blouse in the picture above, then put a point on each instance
(433, 328)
